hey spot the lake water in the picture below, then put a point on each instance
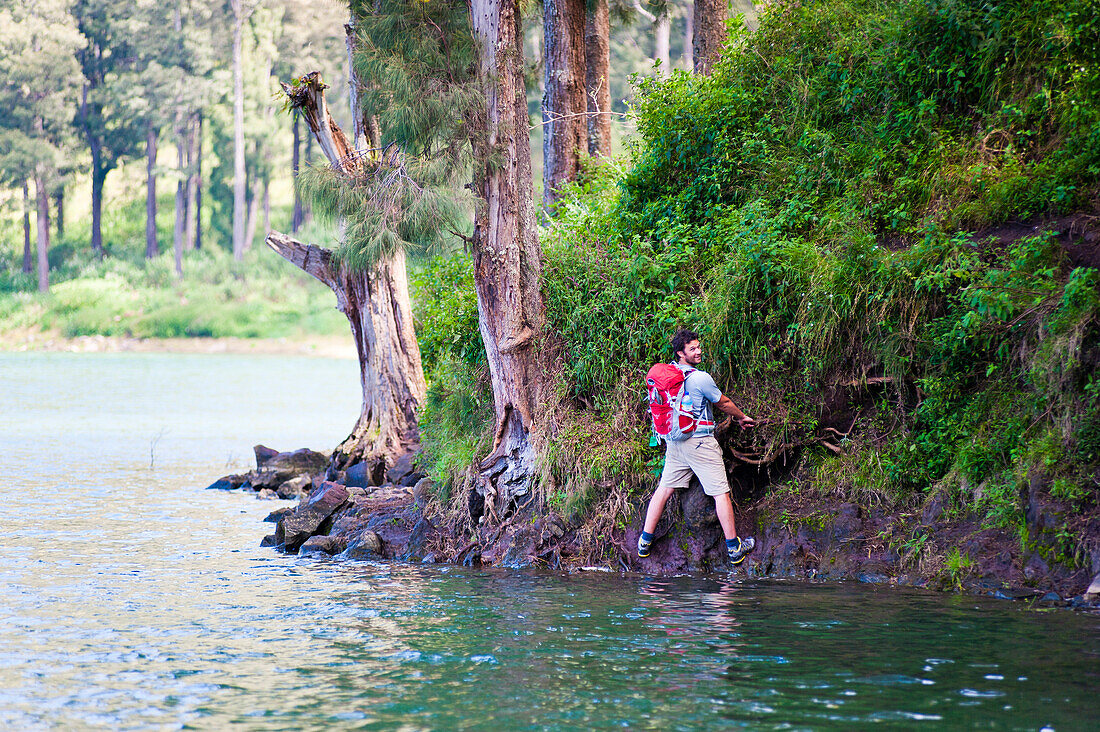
(131, 598)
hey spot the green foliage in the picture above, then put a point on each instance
(810, 209)
(126, 295)
(445, 308)
(456, 421)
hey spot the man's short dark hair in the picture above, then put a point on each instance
(682, 338)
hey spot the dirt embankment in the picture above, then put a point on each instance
(354, 515)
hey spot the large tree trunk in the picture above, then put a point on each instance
(507, 257)
(564, 108)
(151, 248)
(43, 200)
(710, 33)
(239, 181)
(597, 57)
(28, 258)
(377, 306)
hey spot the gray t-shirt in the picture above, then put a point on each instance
(700, 385)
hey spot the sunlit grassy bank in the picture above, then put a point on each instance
(124, 294)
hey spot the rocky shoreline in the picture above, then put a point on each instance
(355, 515)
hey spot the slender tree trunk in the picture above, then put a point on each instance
(710, 33)
(689, 39)
(43, 198)
(99, 175)
(507, 257)
(297, 216)
(191, 219)
(307, 210)
(597, 56)
(28, 258)
(267, 207)
(151, 248)
(662, 35)
(239, 181)
(255, 194)
(565, 131)
(179, 233)
(378, 309)
(198, 183)
(59, 205)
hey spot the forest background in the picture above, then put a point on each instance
(129, 93)
(880, 215)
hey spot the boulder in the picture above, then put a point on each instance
(402, 469)
(267, 494)
(227, 483)
(263, 455)
(359, 476)
(326, 545)
(294, 487)
(275, 516)
(1093, 592)
(367, 545)
(299, 462)
(268, 540)
(698, 508)
(418, 539)
(305, 521)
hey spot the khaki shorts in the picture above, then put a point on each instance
(699, 455)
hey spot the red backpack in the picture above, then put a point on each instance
(670, 404)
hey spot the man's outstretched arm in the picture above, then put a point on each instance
(725, 404)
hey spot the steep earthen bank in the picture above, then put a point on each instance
(354, 515)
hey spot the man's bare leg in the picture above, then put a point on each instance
(657, 507)
(723, 506)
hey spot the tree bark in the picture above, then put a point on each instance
(43, 199)
(597, 57)
(151, 248)
(253, 207)
(190, 223)
(662, 29)
(309, 97)
(239, 180)
(179, 233)
(297, 216)
(99, 175)
(507, 257)
(28, 258)
(689, 39)
(378, 309)
(59, 206)
(564, 107)
(710, 33)
(198, 182)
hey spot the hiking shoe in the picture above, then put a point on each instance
(643, 546)
(738, 551)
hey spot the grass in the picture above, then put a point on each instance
(124, 294)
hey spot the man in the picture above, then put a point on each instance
(700, 453)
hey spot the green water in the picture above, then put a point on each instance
(133, 599)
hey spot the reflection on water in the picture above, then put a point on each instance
(134, 599)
